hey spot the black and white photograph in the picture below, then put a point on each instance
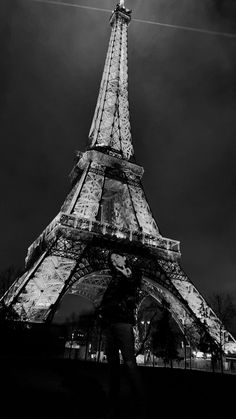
(118, 203)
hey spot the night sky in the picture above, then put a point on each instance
(182, 101)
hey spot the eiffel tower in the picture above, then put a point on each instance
(107, 210)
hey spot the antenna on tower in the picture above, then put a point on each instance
(122, 3)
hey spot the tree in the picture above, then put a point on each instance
(164, 339)
(147, 315)
(191, 339)
(225, 309)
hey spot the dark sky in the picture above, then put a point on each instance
(182, 101)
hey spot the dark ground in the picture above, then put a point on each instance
(36, 382)
(36, 387)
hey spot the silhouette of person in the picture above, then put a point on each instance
(117, 314)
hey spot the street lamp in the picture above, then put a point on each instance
(145, 323)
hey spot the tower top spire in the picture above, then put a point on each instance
(110, 130)
(122, 12)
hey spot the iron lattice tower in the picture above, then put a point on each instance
(107, 209)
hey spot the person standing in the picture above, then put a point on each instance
(117, 315)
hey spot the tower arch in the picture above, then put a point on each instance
(92, 286)
(154, 283)
(179, 312)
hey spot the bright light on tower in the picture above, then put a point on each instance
(122, 3)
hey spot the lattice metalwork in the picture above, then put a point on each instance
(87, 204)
(43, 288)
(116, 206)
(143, 212)
(198, 305)
(111, 123)
(91, 286)
(114, 202)
(38, 289)
(68, 248)
(14, 290)
(179, 310)
(69, 197)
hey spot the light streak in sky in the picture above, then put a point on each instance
(150, 22)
